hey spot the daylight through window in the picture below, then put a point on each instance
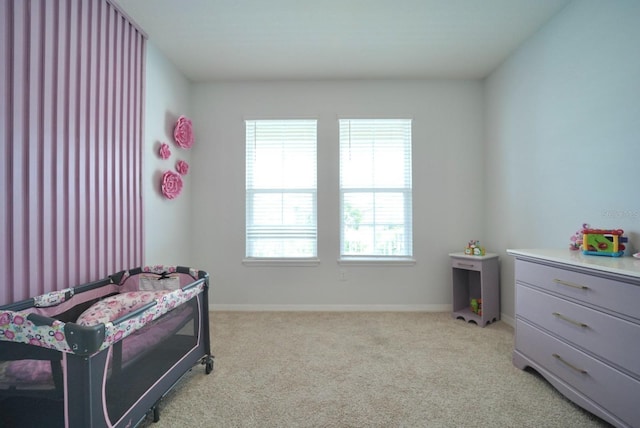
(281, 194)
(375, 188)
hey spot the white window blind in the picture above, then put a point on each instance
(281, 194)
(375, 188)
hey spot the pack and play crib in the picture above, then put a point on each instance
(102, 354)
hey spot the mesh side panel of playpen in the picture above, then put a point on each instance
(134, 372)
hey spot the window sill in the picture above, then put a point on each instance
(377, 261)
(280, 262)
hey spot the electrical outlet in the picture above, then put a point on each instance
(343, 274)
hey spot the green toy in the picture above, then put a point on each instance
(476, 306)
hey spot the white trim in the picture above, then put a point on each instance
(508, 320)
(330, 308)
(376, 261)
(340, 116)
(280, 117)
(280, 262)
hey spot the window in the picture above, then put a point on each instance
(281, 189)
(375, 189)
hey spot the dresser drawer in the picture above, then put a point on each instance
(603, 385)
(611, 338)
(466, 264)
(609, 294)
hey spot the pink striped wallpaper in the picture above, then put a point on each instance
(71, 121)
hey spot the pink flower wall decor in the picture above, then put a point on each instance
(182, 167)
(171, 184)
(165, 151)
(183, 133)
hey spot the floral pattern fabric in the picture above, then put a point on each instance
(169, 301)
(16, 327)
(53, 298)
(114, 307)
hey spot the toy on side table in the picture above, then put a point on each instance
(476, 306)
(473, 248)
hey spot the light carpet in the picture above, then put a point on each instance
(356, 369)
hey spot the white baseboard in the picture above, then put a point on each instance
(508, 320)
(330, 308)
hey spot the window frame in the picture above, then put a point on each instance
(253, 260)
(405, 191)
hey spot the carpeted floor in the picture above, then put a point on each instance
(354, 369)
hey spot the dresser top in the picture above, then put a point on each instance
(625, 265)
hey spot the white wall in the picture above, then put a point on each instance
(166, 222)
(550, 140)
(447, 176)
(563, 132)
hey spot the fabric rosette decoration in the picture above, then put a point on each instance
(171, 184)
(183, 133)
(182, 167)
(165, 151)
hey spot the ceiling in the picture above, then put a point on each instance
(210, 40)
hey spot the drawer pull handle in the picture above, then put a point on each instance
(569, 320)
(465, 265)
(568, 364)
(570, 284)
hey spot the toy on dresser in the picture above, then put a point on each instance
(599, 242)
(603, 242)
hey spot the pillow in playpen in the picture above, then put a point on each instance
(118, 305)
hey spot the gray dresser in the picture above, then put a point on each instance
(578, 325)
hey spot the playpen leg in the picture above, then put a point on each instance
(208, 363)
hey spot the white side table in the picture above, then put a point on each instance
(475, 277)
